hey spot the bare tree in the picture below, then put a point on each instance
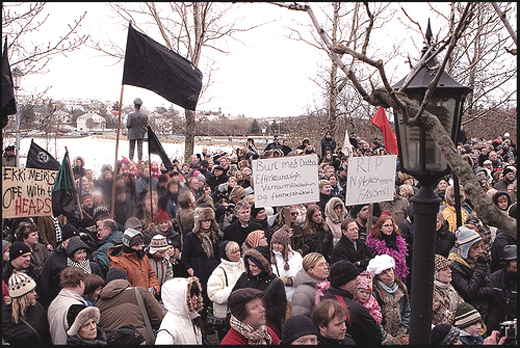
(417, 115)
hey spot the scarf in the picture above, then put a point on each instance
(254, 337)
(84, 266)
(449, 291)
(378, 247)
(207, 245)
(390, 295)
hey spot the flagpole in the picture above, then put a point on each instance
(72, 176)
(117, 149)
(150, 179)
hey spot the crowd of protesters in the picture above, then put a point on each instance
(186, 257)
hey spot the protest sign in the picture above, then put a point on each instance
(285, 180)
(27, 191)
(370, 179)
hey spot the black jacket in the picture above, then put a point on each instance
(501, 240)
(445, 240)
(344, 250)
(20, 334)
(236, 233)
(320, 241)
(363, 327)
(504, 299)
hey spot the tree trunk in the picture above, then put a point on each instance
(189, 143)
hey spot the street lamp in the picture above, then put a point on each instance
(420, 157)
(17, 82)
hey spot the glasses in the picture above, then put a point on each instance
(294, 213)
(322, 265)
(386, 225)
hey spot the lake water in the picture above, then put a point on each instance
(98, 151)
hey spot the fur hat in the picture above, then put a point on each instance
(258, 259)
(365, 281)
(18, 249)
(239, 298)
(161, 216)
(466, 239)
(440, 262)
(466, 315)
(130, 234)
(379, 264)
(201, 214)
(296, 327)
(78, 315)
(20, 284)
(342, 272)
(158, 243)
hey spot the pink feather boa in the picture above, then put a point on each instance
(378, 247)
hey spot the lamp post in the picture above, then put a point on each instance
(17, 81)
(420, 157)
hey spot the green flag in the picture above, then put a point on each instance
(64, 192)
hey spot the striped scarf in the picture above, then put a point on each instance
(58, 229)
(254, 337)
(84, 266)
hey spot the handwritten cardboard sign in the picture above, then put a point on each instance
(285, 180)
(370, 179)
(27, 191)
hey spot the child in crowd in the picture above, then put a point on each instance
(364, 296)
(469, 321)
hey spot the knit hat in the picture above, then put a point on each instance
(441, 262)
(296, 327)
(68, 231)
(509, 169)
(356, 209)
(85, 197)
(126, 335)
(116, 273)
(20, 284)
(133, 223)
(509, 253)
(101, 213)
(161, 216)
(342, 272)
(18, 249)
(129, 234)
(78, 315)
(379, 264)
(158, 243)
(466, 315)
(365, 281)
(253, 238)
(281, 236)
(239, 298)
(444, 335)
(466, 239)
(201, 177)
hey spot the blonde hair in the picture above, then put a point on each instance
(311, 259)
(231, 247)
(19, 307)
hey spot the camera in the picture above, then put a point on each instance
(508, 330)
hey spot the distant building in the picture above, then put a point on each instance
(91, 121)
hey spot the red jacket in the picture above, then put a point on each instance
(235, 338)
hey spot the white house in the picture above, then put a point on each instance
(91, 121)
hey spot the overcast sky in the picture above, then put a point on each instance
(271, 76)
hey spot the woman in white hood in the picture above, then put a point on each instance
(182, 298)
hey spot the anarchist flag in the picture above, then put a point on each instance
(150, 65)
(37, 157)
(381, 121)
(8, 101)
(155, 147)
(64, 200)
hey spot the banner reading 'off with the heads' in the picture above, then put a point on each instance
(285, 180)
(27, 191)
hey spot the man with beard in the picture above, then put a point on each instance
(131, 258)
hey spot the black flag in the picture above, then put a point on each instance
(150, 65)
(41, 159)
(155, 147)
(64, 198)
(8, 101)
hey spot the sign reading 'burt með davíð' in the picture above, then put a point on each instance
(370, 179)
(27, 191)
(285, 180)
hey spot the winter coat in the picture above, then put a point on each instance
(185, 220)
(100, 340)
(48, 229)
(442, 314)
(467, 340)
(333, 220)
(163, 269)
(445, 240)
(100, 256)
(76, 244)
(449, 213)
(170, 234)
(473, 285)
(50, 278)
(123, 211)
(177, 326)
(295, 264)
(38, 255)
(234, 338)
(378, 247)
(362, 326)
(20, 334)
(219, 289)
(57, 314)
(327, 142)
(398, 208)
(344, 250)
(303, 299)
(136, 124)
(383, 298)
(234, 232)
(139, 271)
(373, 308)
(118, 306)
(501, 240)
(320, 241)
(274, 299)
(504, 299)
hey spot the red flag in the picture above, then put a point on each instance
(381, 121)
